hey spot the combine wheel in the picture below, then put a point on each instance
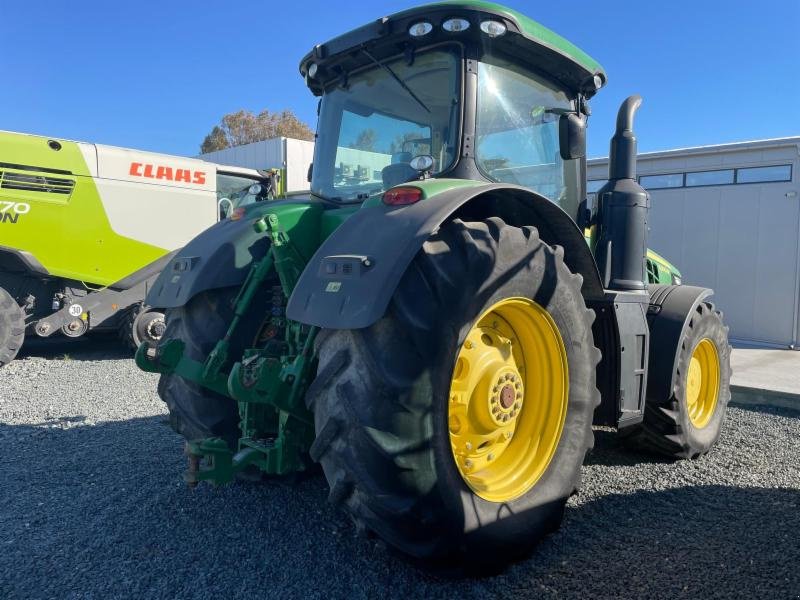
(194, 411)
(143, 325)
(688, 423)
(455, 427)
(12, 327)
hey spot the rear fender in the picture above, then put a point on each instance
(350, 280)
(671, 307)
(221, 256)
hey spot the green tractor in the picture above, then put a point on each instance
(430, 324)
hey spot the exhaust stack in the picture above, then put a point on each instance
(623, 205)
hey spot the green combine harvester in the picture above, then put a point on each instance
(430, 324)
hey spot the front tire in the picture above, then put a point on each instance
(688, 423)
(12, 328)
(384, 411)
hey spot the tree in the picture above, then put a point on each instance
(400, 141)
(245, 127)
(365, 140)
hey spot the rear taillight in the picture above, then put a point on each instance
(400, 196)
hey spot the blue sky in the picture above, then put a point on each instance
(158, 76)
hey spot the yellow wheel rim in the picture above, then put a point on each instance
(508, 399)
(702, 383)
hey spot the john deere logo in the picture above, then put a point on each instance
(11, 211)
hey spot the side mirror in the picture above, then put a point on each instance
(572, 136)
(225, 208)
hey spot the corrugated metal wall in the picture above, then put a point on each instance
(742, 240)
(278, 153)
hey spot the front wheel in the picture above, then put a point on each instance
(455, 427)
(688, 423)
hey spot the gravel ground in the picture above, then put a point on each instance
(92, 506)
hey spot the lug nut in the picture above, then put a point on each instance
(468, 345)
(468, 464)
(468, 445)
(490, 456)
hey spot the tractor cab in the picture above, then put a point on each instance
(465, 91)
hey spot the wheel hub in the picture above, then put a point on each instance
(508, 399)
(702, 383)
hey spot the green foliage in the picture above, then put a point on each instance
(246, 127)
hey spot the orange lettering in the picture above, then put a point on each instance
(199, 177)
(164, 173)
(148, 171)
(183, 175)
(136, 169)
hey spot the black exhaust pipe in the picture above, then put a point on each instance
(623, 204)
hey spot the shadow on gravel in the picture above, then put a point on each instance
(92, 347)
(100, 511)
(609, 450)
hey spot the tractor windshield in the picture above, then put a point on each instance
(378, 125)
(516, 132)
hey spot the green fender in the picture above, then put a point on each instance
(221, 256)
(350, 280)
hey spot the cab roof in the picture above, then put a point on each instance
(525, 39)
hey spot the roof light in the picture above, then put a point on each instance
(402, 196)
(493, 28)
(312, 70)
(598, 81)
(420, 29)
(455, 25)
(424, 162)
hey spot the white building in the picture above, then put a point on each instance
(294, 156)
(728, 217)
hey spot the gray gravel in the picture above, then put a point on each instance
(92, 506)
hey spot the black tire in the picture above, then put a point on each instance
(136, 325)
(380, 400)
(196, 412)
(666, 428)
(12, 327)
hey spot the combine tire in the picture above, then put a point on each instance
(142, 325)
(12, 327)
(455, 427)
(689, 422)
(196, 412)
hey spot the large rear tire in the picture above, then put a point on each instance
(688, 423)
(196, 412)
(395, 404)
(12, 328)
